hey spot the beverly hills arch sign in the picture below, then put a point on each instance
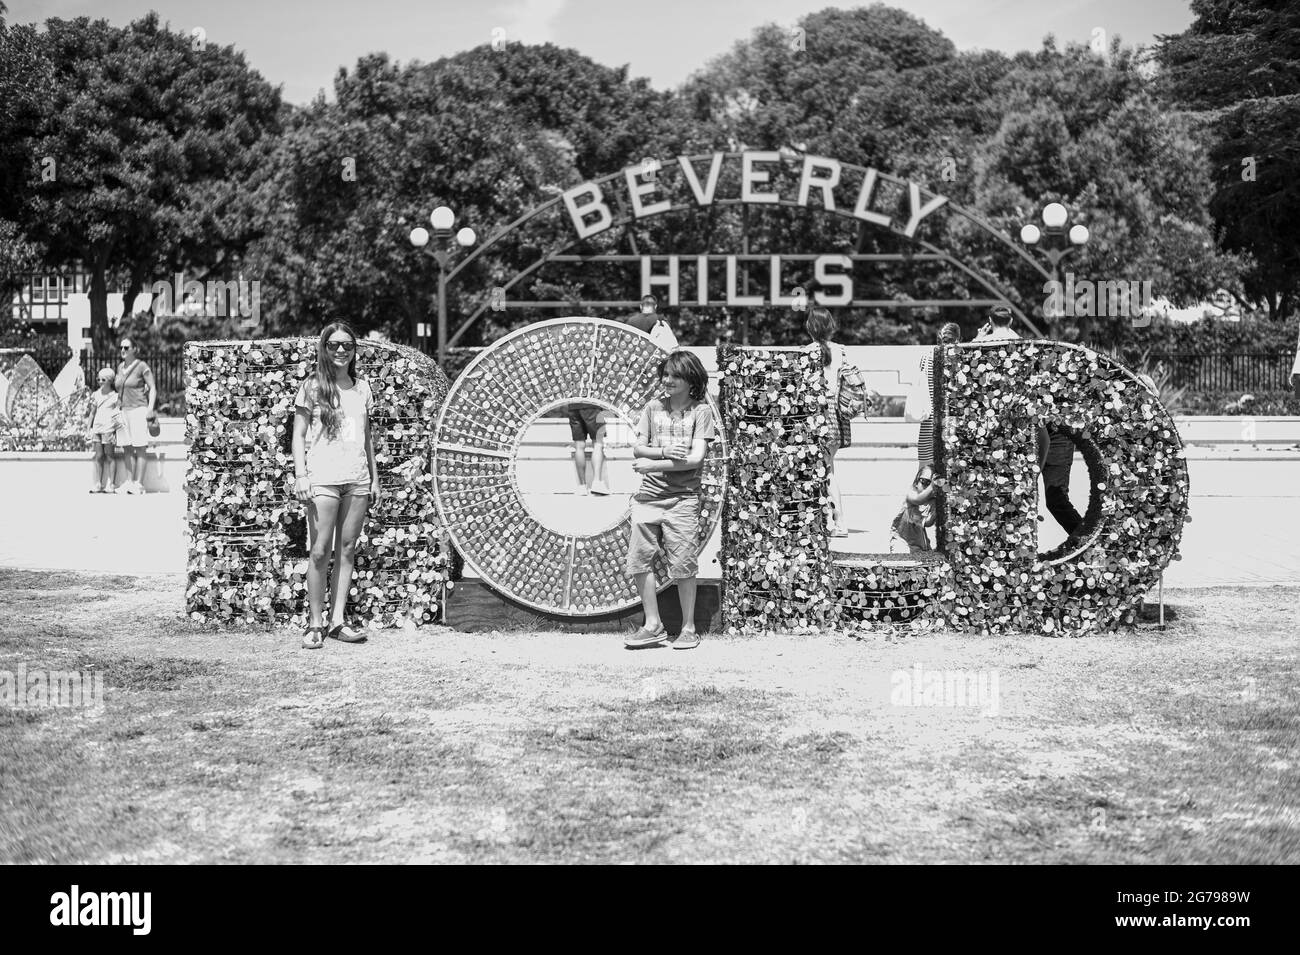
(606, 212)
(590, 213)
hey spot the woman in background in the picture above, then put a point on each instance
(821, 327)
(949, 334)
(138, 394)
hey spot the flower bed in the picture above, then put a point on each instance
(33, 416)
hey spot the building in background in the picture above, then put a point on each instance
(58, 304)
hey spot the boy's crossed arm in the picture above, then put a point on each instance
(675, 457)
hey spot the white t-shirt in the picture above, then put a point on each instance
(341, 459)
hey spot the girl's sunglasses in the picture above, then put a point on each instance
(340, 346)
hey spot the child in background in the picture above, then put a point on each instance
(672, 439)
(909, 527)
(103, 421)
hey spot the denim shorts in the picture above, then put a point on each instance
(337, 491)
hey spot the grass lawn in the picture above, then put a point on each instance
(436, 746)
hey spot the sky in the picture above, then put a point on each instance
(300, 44)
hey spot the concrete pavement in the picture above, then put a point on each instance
(1245, 510)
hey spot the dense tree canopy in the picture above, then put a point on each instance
(138, 160)
(1236, 69)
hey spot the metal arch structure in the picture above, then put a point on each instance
(476, 487)
(624, 219)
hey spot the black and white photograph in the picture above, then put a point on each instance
(561, 432)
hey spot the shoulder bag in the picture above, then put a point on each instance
(852, 388)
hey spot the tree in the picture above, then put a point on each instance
(1085, 130)
(490, 133)
(1236, 70)
(150, 137)
(23, 79)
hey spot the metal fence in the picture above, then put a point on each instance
(168, 372)
(1227, 371)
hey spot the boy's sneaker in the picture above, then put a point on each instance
(646, 637)
(600, 487)
(582, 491)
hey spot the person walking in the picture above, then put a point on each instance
(949, 334)
(822, 327)
(587, 421)
(1056, 482)
(335, 474)
(648, 320)
(138, 393)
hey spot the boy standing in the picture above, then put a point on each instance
(673, 437)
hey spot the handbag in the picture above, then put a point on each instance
(852, 388)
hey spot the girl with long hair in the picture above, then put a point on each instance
(335, 474)
(821, 327)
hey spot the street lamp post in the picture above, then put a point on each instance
(1065, 238)
(442, 219)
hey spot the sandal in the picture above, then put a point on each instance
(346, 634)
(314, 638)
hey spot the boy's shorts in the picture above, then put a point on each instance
(338, 491)
(671, 524)
(107, 438)
(584, 422)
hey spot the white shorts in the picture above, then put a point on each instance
(136, 434)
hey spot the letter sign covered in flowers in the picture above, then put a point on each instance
(993, 399)
(247, 553)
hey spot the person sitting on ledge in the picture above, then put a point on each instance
(908, 529)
